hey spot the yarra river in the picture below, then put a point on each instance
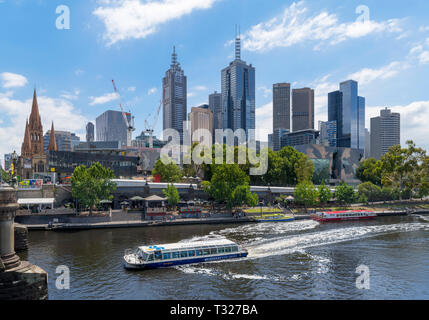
(296, 260)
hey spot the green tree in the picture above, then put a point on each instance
(5, 176)
(91, 185)
(370, 191)
(403, 169)
(345, 193)
(167, 169)
(304, 169)
(324, 194)
(230, 184)
(370, 170)
(305, 194)
(172, 195)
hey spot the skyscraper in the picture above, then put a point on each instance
(302, 109)
(110, 126)
(174, 97)
(201, 118)
(238, 93)
(348, 109)
(328, 133)
(281, 106)
(385, 132)
(90, 137)
(215, 103)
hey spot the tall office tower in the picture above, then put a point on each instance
(201, 118)
(174, 97)
(238, 94)
(385, 132)
(302, 109)
(367, 144)
(281, 106)
(110, 126)
(328, 133)
(90, 137)
(348, 109)
(215, 103)
(277, 138)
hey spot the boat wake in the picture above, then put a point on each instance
(291, 244)
(424, 218)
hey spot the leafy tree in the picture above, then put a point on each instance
(370, 170)
(242, 195)
(305, 194)
(167, 169)
(324, 194)
(388, 194)
(5, 176)
(172, 195)
(229, 183)
(345, 193)
(403, 169)
(91, 185)
(304, 169)
(370, 191)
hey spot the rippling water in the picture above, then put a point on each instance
(292, 260)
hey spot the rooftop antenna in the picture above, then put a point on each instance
(174, 57)
(237, 44)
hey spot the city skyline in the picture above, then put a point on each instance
(73, 89)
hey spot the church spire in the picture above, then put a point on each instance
(53, 141)
(35, 122)
(26, 145)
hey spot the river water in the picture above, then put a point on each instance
(291, 260)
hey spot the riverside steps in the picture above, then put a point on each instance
(19, 280)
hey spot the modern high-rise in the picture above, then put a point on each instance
(302, 109)
(367, 144)
(281, 106)
(215, 103)
(385, 132)
(348, 109)
(277, 138)
(201, 118)
(174, 97)
(238, 94)
(328, 133)
(66, 141)
(110, 126)
(90, 136)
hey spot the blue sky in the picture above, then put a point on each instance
(307, 43)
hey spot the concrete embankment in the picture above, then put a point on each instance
(88, 223)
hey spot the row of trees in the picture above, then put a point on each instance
(400, 173)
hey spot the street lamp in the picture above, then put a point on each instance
(14, 158)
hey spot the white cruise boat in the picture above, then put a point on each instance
(167, 255)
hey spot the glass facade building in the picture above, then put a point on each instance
(238, 94)
(348, 109)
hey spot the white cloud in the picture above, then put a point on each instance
(61, 111)
(79, 72)
(294, 26)
(368, 75)
(152, 91)
(136, 19)
(12, 80)
(103, 99)
(132, 89)
(266, 91)
(201, 88)
(70, 96)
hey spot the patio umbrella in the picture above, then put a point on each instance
(137, 198)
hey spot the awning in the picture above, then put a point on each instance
(36, 201)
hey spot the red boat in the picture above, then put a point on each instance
(333, 216)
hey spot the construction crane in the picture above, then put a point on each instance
(150, 129)
(129, 125)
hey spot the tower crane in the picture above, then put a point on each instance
(150, 129)
(129, 125)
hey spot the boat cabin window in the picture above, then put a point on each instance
(166, 256)
(158, 255)
(199, 252)
(184, 254)
(175, 255)
(213, 250)
(191, 253)
(206, 252)
(234, 249)
(228, 249)
(221, 250)
(150, 257)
